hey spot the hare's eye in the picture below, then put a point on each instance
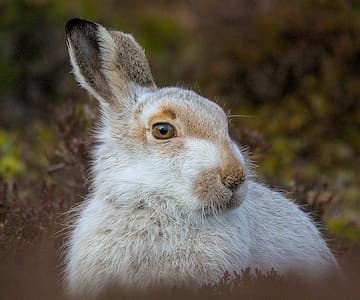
(163, 131)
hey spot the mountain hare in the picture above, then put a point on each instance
(172, 200)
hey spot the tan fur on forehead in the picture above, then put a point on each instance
(164, 114)
(201, 124)
(197, 116)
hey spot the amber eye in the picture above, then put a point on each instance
(163, 131)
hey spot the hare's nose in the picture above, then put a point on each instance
(232, 169)
(232, 177)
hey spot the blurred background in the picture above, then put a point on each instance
(290, 70)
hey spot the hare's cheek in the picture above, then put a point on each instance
(199, 155)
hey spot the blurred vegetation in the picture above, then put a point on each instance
(290, 69)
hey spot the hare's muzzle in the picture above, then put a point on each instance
(216, 187)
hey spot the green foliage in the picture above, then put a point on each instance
(10, 160)
(344, 229)
(159, 34)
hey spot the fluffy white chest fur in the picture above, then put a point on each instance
(173, 201)
(138, 248)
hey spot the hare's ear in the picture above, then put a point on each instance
(108, 64)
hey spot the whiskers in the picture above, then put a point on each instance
(212, 208)
(236, 117)
(241, 116)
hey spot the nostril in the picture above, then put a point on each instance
(232, 181)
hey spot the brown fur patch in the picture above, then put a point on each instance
(167, 116)
(210, 190)
(193, 120)
(192, 115)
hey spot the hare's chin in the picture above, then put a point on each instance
(216, 207)
(237, 197)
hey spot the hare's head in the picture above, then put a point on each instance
(157, 145)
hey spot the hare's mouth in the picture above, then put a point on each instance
(215, 207)
(226, 201)
(233, 202)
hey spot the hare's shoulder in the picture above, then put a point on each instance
(269, 203)
(281, 230)
(272, 211)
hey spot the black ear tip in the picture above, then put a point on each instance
(77, 23)
(72, 23)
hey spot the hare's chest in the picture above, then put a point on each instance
(173, 252)
(159, 255)
(146, 250)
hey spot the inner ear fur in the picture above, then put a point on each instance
(110, 65)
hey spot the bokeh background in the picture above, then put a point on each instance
(289, 70)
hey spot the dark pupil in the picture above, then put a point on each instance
(163, 129)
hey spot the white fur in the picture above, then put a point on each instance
(143, 226)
